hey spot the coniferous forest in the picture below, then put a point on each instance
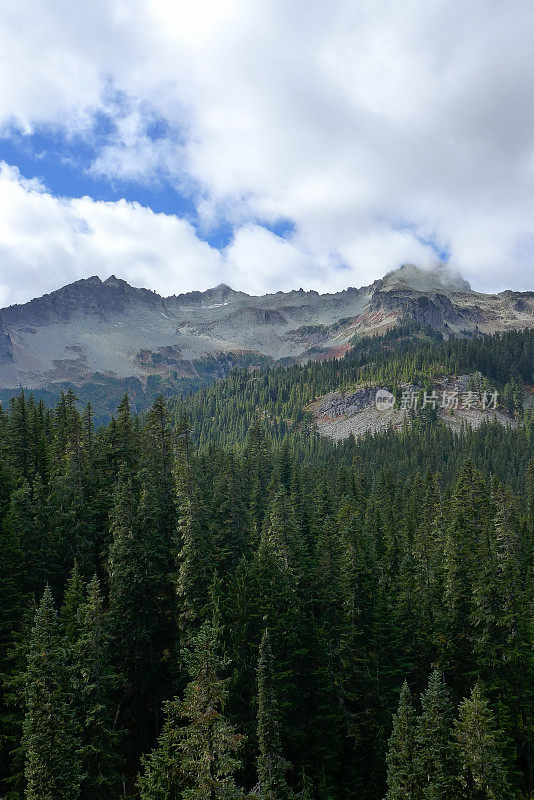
(210, 601)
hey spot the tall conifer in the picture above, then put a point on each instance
(50, 737)
(271, 765)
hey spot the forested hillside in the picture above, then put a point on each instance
(223, 413)
(211, 601)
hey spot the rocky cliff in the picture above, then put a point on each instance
(109, 328)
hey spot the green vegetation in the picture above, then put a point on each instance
(210, 601)
(222, 414)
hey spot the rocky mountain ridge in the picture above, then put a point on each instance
(111, 329)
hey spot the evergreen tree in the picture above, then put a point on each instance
(484, 769)
(209, 743)
(230, 519)
(50, 737)
(361, 574)
(124, 444)
(272, 784)
(466, 536)
(134, 618)
(157, 462)
(162, 777)
(13, 603)
(258, 455)
(502, 637)
(96, 685)
(72, 600)
(19, 524)
(198, 760)
(434, 762)
(194, 546)
(20, 438)
(401, 776)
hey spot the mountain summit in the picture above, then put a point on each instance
(96, 330)
(440, 278)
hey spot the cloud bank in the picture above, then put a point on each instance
(383, 131)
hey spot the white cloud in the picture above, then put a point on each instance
(258, 260)
(47, 241)
(374, 126)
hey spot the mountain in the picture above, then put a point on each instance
(96, 330)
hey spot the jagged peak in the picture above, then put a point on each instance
(114, 281)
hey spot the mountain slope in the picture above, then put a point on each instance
(113, 330)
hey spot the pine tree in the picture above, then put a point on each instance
(96, 685)
(19, 437)
(13, 602)
(271, 765)
(72, 600)
(481, 749)
(124, 446)
(209, 743)
(401, 778)
(133, 628)
(50, 738)
(162, 777)
(434, 762)
(194, 546)
(198, 760)
(466, 536)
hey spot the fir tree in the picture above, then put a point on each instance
(96, 685)
(193, 543)
(198, 760)
(125, 450)
(18, 524)
(484, 770)
(209, 743)
(19, 437)
(401, 778)
(271, 765)
(361, 574)
(72, 600)
(50, 738)
(13, 602)
(466, 535)
(134, 618)
(434, 762)
(162, 777)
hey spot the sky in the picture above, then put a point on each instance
(265, 144)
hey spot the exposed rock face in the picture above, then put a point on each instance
(338, 415)
(111, 328)
(436, 310)
(6, 347)
(338, 404)
(89, 297)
